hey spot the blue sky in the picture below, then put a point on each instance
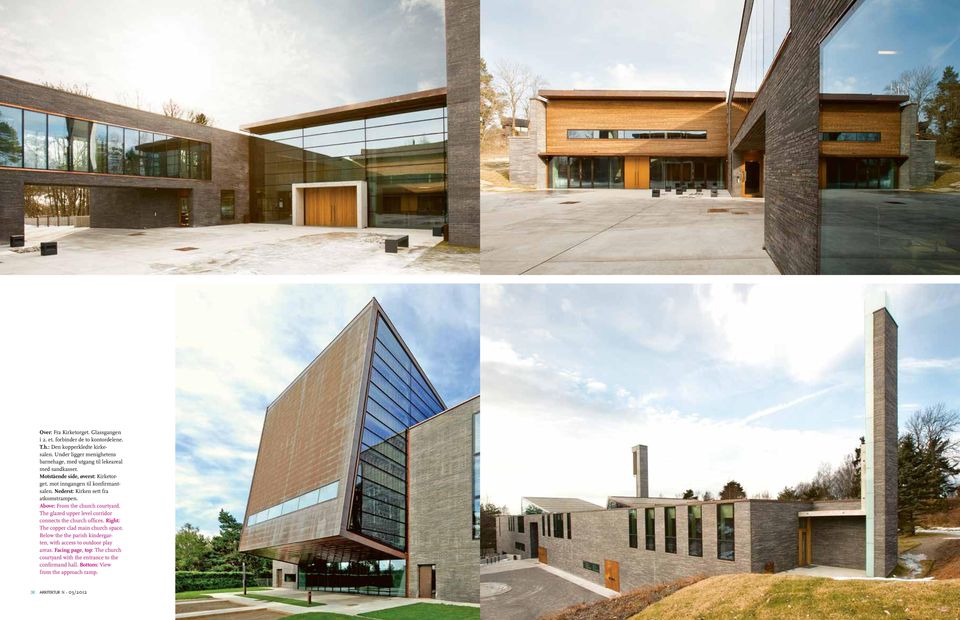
(649, 44)
(759, 383)
(239, 346)
(911, 34)
(239, 61)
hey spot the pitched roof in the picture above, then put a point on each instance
(561, 504)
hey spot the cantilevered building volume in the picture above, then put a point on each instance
(338, 499)
(641, 540)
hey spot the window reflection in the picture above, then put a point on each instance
(402, 158)
(34, 140)
(890, 198)
(11, 137)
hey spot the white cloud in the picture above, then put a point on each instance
(593, 385)
(805, 329)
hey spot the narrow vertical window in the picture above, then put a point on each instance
(34, 140)
(632, 527)
(725, 532)
(648, 529)
(695, 530)
(558, 525)
(476, 477)
(520, 525)
(670, 529)
(569, 527)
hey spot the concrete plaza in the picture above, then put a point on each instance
(617, 232)
(275, 249)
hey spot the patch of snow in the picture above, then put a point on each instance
(946, 531)
(911, 561)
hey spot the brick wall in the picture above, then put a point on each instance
(774, 526)
(838, 541)
(463, 131)
(116, 207)
(440, 501)
(788, 103)
(884, 443)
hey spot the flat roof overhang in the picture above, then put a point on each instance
(627, 95)
(347, 547)
(860, 98)
(832, 513)
(410, 102)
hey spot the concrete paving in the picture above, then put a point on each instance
(614, 232)
(333, 602)
(827, 571)
(533, 593)
(894, 232)
(234, 249)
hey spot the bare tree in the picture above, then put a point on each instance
(73, 89)
(513, 83)
(537, 82)
(918, 83)
(174, 110)
(936, 424)
(133, 100)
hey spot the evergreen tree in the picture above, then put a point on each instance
(788, 494)
(910, 485)
(733, 490)
(944, 111)
(689, 494)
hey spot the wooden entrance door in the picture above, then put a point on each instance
(542, 555)
(330, 206)
(805, 542)
(184, 210)
(427, 581)
(636, 173)
(279, 582)
(611, 575)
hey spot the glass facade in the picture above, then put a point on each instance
(476, 476)
(310, 498)
(725, 532)
(402, 158)
(879, 213)
(586, 172)
(41, 141)
(398, 396)
(375, 577)
(769, 25)
(11, 137)
(686, 172)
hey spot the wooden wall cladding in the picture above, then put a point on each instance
(862, 117)
(709, 116)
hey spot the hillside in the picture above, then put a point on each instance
(762, 597)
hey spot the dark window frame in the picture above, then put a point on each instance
(230, 207)
(650, 529)
(632, 539)
(694, 543)
(670, 517)
(723, 542)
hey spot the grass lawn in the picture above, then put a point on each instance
(763, 597)
(426, 611)
(279, 599)
(416, 611)
(191, 594)
(321, 615)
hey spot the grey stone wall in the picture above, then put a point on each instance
(506, 540)
(789, 105)
(463, 110)
(526, 167)
(229, 165)
(922, 162)
(837, 541)
(885, 470)
(774, 526)
(604, 535)
(440, 522)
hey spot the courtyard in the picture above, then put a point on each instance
(275, 249)
(620, 232)
(522, 589)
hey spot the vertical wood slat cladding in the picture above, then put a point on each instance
(330, 206)
(709, 116)
(862, 117)
(314, 421)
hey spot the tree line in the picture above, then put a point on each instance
(218, 553)
(938, 103)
